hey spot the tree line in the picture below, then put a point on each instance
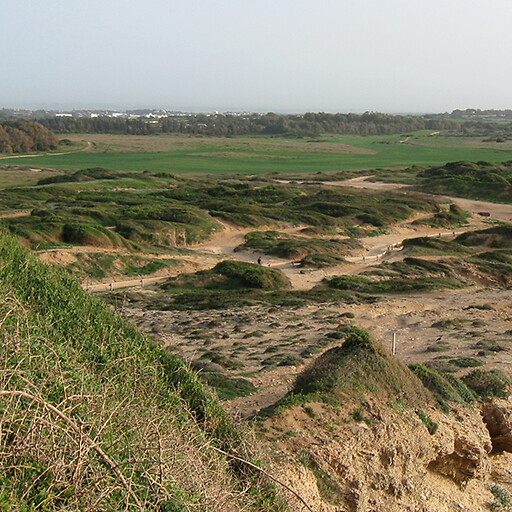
(25, 136)
(226, 125)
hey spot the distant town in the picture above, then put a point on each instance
(155, 114)
(149, 114)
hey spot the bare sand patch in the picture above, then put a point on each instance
(271, 345)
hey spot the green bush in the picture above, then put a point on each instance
(441, 385)
(488, 383)
(357, 367)
(227, 388)
(503, 501)
(252, 275)
(432, 426)
(393, 285)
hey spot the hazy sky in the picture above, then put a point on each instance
(281, 55)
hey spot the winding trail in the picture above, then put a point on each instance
(12, 215)
(377, 249)
(89, 146)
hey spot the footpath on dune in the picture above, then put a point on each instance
(86, 148)
(386, 247)
(222, 244)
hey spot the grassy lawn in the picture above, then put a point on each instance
(265, 154)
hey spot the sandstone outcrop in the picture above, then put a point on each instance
(387, 461)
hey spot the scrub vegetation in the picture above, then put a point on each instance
(154, 211)
(97, 416)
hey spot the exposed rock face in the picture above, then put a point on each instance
(497, 416)
(390, 462)
(463, 455)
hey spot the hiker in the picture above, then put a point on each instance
(259, 260)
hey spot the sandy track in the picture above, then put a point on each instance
(386, 247)
(129, 283)
(12, 215)
(89, 146)
(361, 182)
(497, 211)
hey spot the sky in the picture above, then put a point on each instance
(394, 56)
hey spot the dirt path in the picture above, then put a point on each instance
(128, 283)
(386, 247)
(361, 182)
(12, 215)
(89, 146)
(497, 211)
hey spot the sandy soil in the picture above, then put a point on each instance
(270, 345)
(362, 182)
(502, 212)
(12, 215)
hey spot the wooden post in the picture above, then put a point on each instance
(393, 351)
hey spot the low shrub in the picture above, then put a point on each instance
(488, 383)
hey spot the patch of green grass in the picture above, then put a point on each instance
(441, 365)
(464, 392)
(484, 180)
(410, 267)
(454, 217)
(321, 260)
(282, 360)
(496, 265)
(488, 383)
(489, 346)
(147, 266)
(466, 362)
(309, 411)
(440, 384)
(430, 246)
(295, 247)
(227, 388)
(497, 237)
(245, 155)
(393, 285)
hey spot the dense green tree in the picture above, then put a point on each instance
(227, 125)
(23, 137)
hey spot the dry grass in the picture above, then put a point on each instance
(100, 450)
(94, 416)
(154, 143)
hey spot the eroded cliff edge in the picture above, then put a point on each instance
(361, 432)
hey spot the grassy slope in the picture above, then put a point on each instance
(95, 416)
(241, 156)
(152, 211)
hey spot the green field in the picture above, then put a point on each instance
(266, 154)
